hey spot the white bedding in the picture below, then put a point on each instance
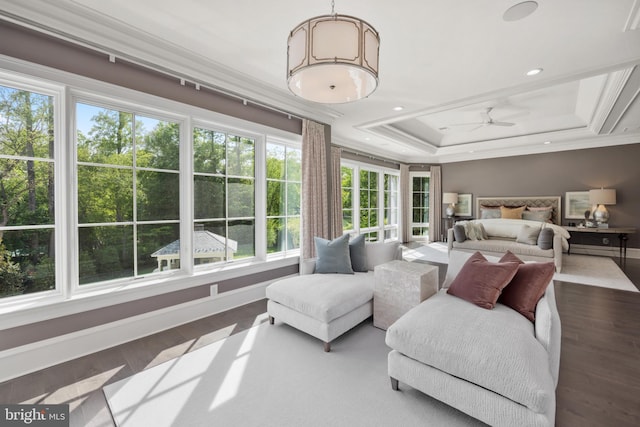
(509, 228)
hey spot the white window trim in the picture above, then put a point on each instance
(69, 298)
(411, 223)
(287, 144)
(355, 182)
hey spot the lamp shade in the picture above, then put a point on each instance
(602, 196)
(333, 59)
(450, 198)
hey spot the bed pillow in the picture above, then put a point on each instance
(545, 238)
(527, 286)
(358, 254)
(480, 282)
(490, 212)
(528, 235)
(333, 255)
(537, 215)
(511, 213)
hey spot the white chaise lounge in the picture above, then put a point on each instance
(495, 365)
(328, 305)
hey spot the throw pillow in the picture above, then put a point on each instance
(545, 238)
(458, 233)
(358, 254)
(528, 235)
(511, 213)
(333, 255)
(527, 286)
(480, 282)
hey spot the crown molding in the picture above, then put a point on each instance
(86, 27)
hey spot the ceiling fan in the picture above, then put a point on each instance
(487, 120)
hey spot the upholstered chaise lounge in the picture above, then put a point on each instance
(328, 305)
(495, 365)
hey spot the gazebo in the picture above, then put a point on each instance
(208, 247)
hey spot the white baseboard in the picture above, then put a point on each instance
(611, 251)
(32, 357)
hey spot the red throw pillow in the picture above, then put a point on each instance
(480, 281)
(527, 286)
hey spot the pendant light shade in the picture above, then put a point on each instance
(333, 59)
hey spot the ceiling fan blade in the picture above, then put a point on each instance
(478, 127)
(466, 124)
(501, 123)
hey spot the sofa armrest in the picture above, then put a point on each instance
(307, 266)
(557, 252)
(450, 238)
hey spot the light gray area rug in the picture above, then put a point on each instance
(582, 269)
(594, 271)
(274, 375)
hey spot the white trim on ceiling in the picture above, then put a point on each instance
(67, 21)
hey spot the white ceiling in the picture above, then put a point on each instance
(445, 62)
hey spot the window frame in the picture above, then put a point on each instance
(380, 228)
(286, 145)
(413, 224)
(69, 297)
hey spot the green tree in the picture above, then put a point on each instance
(26, 186)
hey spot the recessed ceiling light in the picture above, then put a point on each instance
(367, 138)
(520, 11)
(398, 108)
(470, 151)
(534, 71)
(547, 142)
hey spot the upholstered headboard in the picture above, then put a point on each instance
(537, 201)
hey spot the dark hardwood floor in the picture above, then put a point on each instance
(599, 370)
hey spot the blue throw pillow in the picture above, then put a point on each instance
(333, 255)
(358, 254)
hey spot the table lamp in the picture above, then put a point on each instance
(602, 197)
(451, 199)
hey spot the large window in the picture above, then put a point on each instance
(370, 203)
(223, 196)
(128, 193)
(27, 180)
(391, 206)
(420, 205)
(135, 191)
(283, 197)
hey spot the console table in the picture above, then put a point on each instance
(622, 233)
(400, 286)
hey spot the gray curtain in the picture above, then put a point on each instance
(405, 204)
(435, 204)
(336, 193)
(315, 206)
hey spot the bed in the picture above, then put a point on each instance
(502, 234)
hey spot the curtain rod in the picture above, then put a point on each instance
(368, 156)
(113, 55)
